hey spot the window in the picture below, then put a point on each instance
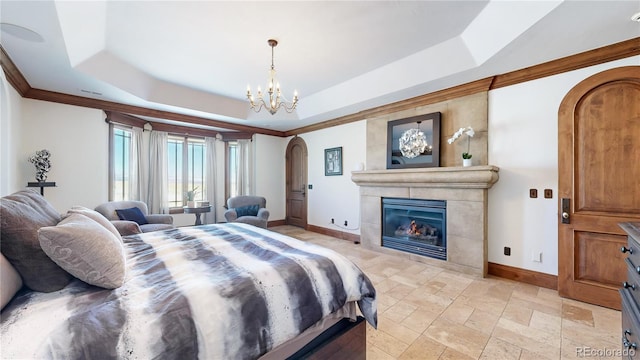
(120, 164)
(186, 169)
(239, 172)
(233, 161)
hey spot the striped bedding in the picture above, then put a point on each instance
(225, 291)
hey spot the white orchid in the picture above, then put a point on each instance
(466, 131)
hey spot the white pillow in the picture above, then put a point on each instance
(10, 283)
(86, 250)
(97, 217)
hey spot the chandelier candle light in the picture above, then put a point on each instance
(276, 100)
(466, 156)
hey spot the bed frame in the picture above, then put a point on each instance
(345, 340)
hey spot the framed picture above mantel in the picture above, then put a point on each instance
(414, 142)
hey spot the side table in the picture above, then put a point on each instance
(41, 185)
(197, 210)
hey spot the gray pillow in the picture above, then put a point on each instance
(21, 215)
(11, 281)
(86, 250)
(97, 217)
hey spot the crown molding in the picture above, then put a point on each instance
(601, 55)
(422, 100)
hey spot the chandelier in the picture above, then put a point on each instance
(276, 99)
(413, 142)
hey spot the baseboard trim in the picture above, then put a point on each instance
(276, 223)
(523, 275)
(335, 233)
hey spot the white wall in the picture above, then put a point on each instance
(523, 142)
(335, 197)
(10, 136)
(269, 161)
(77, 138)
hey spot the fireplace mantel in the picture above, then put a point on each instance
(463, 188)
(472, 177)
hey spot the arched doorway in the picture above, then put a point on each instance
(598, 172)
(296, 179)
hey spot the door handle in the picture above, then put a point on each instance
(303, 190)
(566, 210)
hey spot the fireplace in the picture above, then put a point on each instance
(416, 226)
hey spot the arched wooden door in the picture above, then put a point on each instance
(598, 183)
(296, 178)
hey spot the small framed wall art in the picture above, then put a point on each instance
(333, 161)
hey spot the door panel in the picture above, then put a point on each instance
(296, 178)
(592, 247)
(599, 172)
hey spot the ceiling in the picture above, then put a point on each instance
(197, 57)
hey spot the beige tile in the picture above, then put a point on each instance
(497, 349)
(578, 314)
(458, 312)
(399, 311)
(544, 345)
(482, 321)
(396, 329)
(429, 312)
(451, 354)
(466, 340)
(549, 324)
(590, 336)
(519, 314)
(387, 343)
(375, 353)
(423, 349)
(420, 319)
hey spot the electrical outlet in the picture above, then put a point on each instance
(548, 193)
(536, 256)
(507, 251)
(533, 193)
(332, 221)
(346, 223)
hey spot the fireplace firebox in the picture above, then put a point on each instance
(416, 226)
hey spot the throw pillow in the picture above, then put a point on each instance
(86, 250)
(132, 214)
(249, 210)
(21, 215)
(97, 217)
(11, 281)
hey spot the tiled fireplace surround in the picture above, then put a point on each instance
(464, 188)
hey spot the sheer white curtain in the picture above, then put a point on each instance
(157, 198)
(137, 175)
(245, 167)
(210, 179)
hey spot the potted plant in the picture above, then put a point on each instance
(466, 156)
(191, 197)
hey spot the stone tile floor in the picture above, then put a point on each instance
(425, 312)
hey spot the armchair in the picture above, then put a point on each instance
(247, 209)
(148, 222)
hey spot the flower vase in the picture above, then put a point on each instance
(191, 204)
(466, 162)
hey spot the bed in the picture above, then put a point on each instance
(224, 291)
